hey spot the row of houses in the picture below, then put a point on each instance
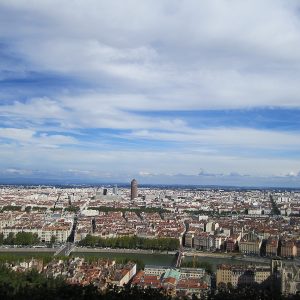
(249, 244)
(47, 229)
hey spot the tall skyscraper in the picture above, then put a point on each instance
(134, 189)
(115, 190)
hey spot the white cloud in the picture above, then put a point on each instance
(30, 137)
(233, 137)
(87, 111)
(22, 135)
(173, 161)
(12, 171)
(172, 55)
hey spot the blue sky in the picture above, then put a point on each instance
(199, 92)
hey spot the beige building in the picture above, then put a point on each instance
(237, 275)
(250, 244)
(6, 219)
(288, 248)
(61, 232)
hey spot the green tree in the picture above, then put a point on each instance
(131, 242)
(10, 240)
(26, 239)
(52, 240)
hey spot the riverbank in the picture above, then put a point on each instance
(209, 254)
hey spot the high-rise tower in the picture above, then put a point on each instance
(115, 190)
(134, 189)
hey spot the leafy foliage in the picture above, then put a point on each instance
(9, 257)
(21, 238)
(136, 210)
(11, 208)
(72, 208)
(131, 242)
(197, 264)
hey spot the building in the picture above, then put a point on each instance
(288, 248)
(230, 245)
(181, 282)
(272, 246)
(134, 189)
(155, 270)
(290, 283)
(115, 190)
(204, 241)
(123, 275)
(250, 244)
(189, 239)
(277, 275)
(298, 247)
(191, 273)
(242, 274)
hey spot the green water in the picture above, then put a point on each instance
(148, 259)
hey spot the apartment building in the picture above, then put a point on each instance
(272, 246)
(250, 244)
(287, 248)
(241, 274)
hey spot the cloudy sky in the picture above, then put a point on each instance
(168, 91)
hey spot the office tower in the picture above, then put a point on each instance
(134, 189)
(115, 190)
(104, 192)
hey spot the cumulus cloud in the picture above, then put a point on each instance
(211, 54)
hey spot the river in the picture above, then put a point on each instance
(147, 259)
(158, 259)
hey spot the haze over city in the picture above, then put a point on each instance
(169, 92)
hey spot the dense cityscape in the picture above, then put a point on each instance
(252, 235)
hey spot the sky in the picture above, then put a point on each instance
(202, 92)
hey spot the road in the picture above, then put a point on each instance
(11, 250)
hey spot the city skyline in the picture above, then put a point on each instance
(167, 92)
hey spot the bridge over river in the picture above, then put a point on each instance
(65, 250)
